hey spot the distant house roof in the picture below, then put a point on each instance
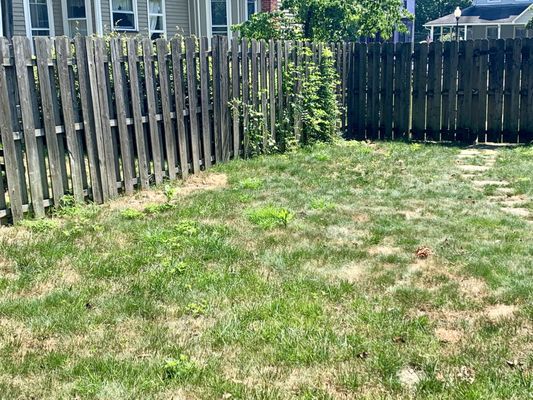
(500, 14)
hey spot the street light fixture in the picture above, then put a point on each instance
(457, 13)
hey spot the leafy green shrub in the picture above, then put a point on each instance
(313, 100)
(318, 100)
(270, 217)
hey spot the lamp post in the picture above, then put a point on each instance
(457, 13)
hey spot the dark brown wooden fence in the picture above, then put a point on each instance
(472, 90)
(93, 118)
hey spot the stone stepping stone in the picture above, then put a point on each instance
(510, 202)
(474, 168)
(504, 191)
(516, 211)
(490, 183)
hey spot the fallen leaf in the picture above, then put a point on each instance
(423, 252)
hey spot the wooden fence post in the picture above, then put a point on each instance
(14, 184)
(526, 99)
(21, 47)
(192, 91)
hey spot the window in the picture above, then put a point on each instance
(39, 18)
(492, 32)
(77, 21)
(156, 18)
(123, 15)
(219, 17)
(251, 8)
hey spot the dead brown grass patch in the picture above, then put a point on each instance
(19, 336)
(451, 336)
(384, 250)
(203, 181)
(500, 312)
(351, 272)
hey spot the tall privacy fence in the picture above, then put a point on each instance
(92, 119)
(472, 90)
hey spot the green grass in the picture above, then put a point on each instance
(296, 280)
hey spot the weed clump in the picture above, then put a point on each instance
(181, 368)
(131, 214)
(270, 217)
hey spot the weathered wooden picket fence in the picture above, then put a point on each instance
(447, 91)
(94, 118)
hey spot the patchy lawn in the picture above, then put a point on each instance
(344, 271)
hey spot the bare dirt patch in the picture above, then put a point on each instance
(139, 201)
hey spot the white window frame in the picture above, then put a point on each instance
(162, 14)
(257, 8)
(1, 21)
(27, 19)
(135, 18)
(210, 18)
(88, 18)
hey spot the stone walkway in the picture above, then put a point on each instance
(476, 160)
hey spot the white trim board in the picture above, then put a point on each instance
(1, 21)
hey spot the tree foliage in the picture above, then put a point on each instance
(269, 25)
(428, 10)
(331, 20)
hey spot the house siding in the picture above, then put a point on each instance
(19, 24)
(177, 17)
(479, 32)
(507, 31)
(57, 9)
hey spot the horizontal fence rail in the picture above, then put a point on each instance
(92, 118)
